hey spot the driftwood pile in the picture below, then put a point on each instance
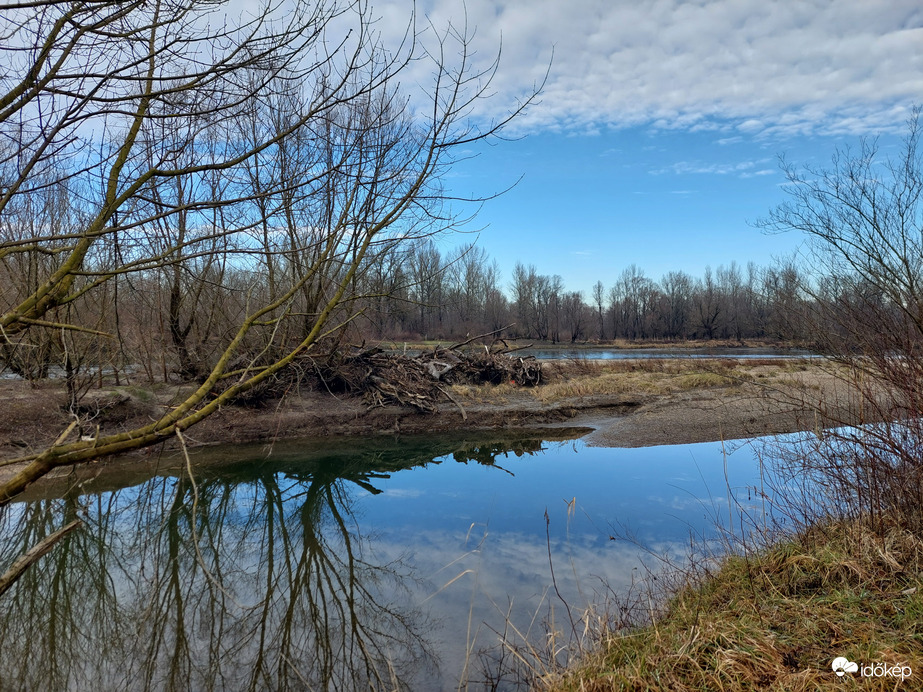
(421, 381)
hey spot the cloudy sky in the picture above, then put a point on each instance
(658, 132)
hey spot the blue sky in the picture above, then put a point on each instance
(587, 206)
(658, 132)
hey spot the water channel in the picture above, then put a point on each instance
(344, 564)
(607, 353)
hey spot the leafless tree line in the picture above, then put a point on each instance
(726, 304)
(427, 294)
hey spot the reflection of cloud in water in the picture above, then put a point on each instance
(473, 540)
(401, 493)
(497, 573)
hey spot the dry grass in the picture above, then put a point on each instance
(700, 380)
(776, 620)
(653, 376)
(569, 379)
(591, 385)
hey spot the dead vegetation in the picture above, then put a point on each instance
(421, 381)
(655, 376)
(774, 620)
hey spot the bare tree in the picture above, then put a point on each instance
(708, 305)
(496, 306)
(574, 314)
(255, 167)
(730, 286)
(599, 293)
(863, 218)
(524, 291)
(629, 299)
(677, 288)
(426, 272)
(467, 285)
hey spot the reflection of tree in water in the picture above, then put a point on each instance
(254, 577)
(281, 594)
(487, 454)
(376, 458)
(54, 598)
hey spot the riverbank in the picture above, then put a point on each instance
(628, 403)
(621, 404)
(777, 619)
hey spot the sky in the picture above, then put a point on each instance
(656, 138)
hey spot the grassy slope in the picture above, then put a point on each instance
(776, 620)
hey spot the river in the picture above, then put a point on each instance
(351, 563)
(607, 353)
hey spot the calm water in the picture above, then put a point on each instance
(343, 564)
(661, 353)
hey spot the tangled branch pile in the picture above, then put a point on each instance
(418, 381)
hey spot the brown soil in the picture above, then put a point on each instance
(322, 415)
(764, 401)
(619, 420)
(646, 405)
(702, 416)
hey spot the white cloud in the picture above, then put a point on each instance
(743, 169)
(761, 172)
(758, 67)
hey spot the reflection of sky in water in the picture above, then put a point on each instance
(656, 491)
(473, 536)
(477, 534)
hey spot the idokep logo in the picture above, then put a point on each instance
(842, 665)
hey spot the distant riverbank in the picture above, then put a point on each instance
(627, 403)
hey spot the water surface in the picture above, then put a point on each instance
(344, 564)
(607, 353)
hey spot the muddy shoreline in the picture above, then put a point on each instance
(617, 420)
(750, 401)
(754, 400)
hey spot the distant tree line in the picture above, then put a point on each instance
(172, 322)
(428, 294)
